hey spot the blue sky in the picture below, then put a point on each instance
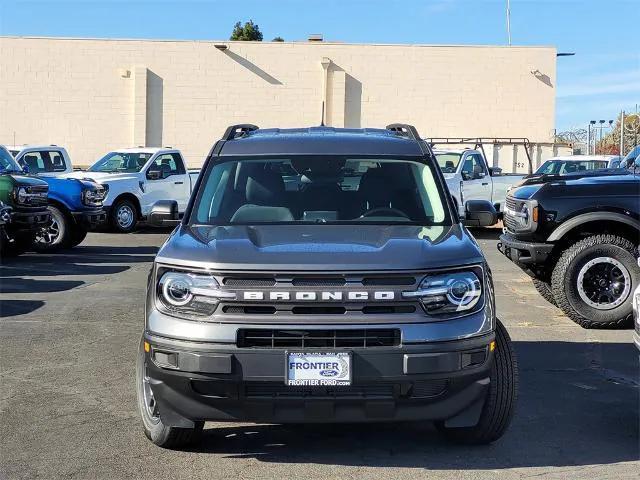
(600, 80)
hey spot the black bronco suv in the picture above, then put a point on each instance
(323, 275)
(577, 236)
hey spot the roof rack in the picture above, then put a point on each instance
(480, 142)
(405, 130)
(235, 131)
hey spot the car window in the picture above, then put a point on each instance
(121, 162)
(332, 189)
(472, 164)
(7, 162)
(33, 161)
(169, 164)
(448, 162)
(56, 161)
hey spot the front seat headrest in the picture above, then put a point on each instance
(264, 187)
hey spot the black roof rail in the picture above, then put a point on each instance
(235, 131)
(405, 130)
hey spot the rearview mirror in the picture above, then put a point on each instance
(164, 213)
(154, 173)
(480, 213)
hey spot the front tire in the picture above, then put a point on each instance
(594, 280)
(56, 234)
(124, 216)
(78, 235)
(544, 289)
(501, 399)
(159, 433)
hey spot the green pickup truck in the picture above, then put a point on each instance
(26, 198)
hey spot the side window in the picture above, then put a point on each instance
(56, 161)
(467, 168)
(34, 161)
(179, 163)
(167, 165)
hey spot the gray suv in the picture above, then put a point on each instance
(323, 275)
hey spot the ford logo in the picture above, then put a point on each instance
(328, 373)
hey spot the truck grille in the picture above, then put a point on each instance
(508, 219)
(300, 338)
(280, 297)
(418, 389)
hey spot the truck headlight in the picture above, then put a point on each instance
(21, 195)
(450, 293)
(189, 294)
(521, 215)
(93, 197)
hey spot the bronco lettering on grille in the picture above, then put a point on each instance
(322, 296)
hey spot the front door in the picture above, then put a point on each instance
(173, 183)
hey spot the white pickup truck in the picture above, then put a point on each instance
(470, 178)
(42, 160)
(138, 178)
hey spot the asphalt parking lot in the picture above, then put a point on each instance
(71, 323)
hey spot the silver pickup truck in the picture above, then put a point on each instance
(470, 178)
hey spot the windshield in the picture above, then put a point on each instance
(632, 157)
(7, 162)
(566, 167)
(448, 161)
(319, 190)
(121, 162)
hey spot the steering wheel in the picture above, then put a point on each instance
(394, 212)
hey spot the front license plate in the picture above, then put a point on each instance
(319, 368)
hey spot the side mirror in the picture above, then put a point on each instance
(480, 213)
(495, 171)
(25, 168)
(164, 213)
(154, 173)
(465, 175)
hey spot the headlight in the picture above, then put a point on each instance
(449, 293)
(189, 294)
(21, 195)
(93, 198)
(521, 215)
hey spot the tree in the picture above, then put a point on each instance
(278, 39)
(610, 142)
(249, 32)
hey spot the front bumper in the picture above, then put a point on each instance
(523, 253)
(90, 218)
(28, 220)
(431, 381)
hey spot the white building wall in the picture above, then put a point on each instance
(96, 95)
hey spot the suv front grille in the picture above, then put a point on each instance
(301, 338)
(508, 219)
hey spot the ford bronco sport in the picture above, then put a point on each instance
(323, 275)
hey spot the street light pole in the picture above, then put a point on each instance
(509, 22)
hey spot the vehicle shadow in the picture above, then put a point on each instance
(12, 308)
(575, 408)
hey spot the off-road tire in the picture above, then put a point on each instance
(564, 281)
(544, 289)
(160, 434)
(115, 211)
(78, 235)
(64, 225)
(501, 399)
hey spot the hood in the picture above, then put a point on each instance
(27, 180)
(101, 177)
(449, 176)
(320, 247)
(533, 179)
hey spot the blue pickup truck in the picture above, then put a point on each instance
(75, 204)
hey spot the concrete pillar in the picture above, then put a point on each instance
(139, 134)
(336, 98)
